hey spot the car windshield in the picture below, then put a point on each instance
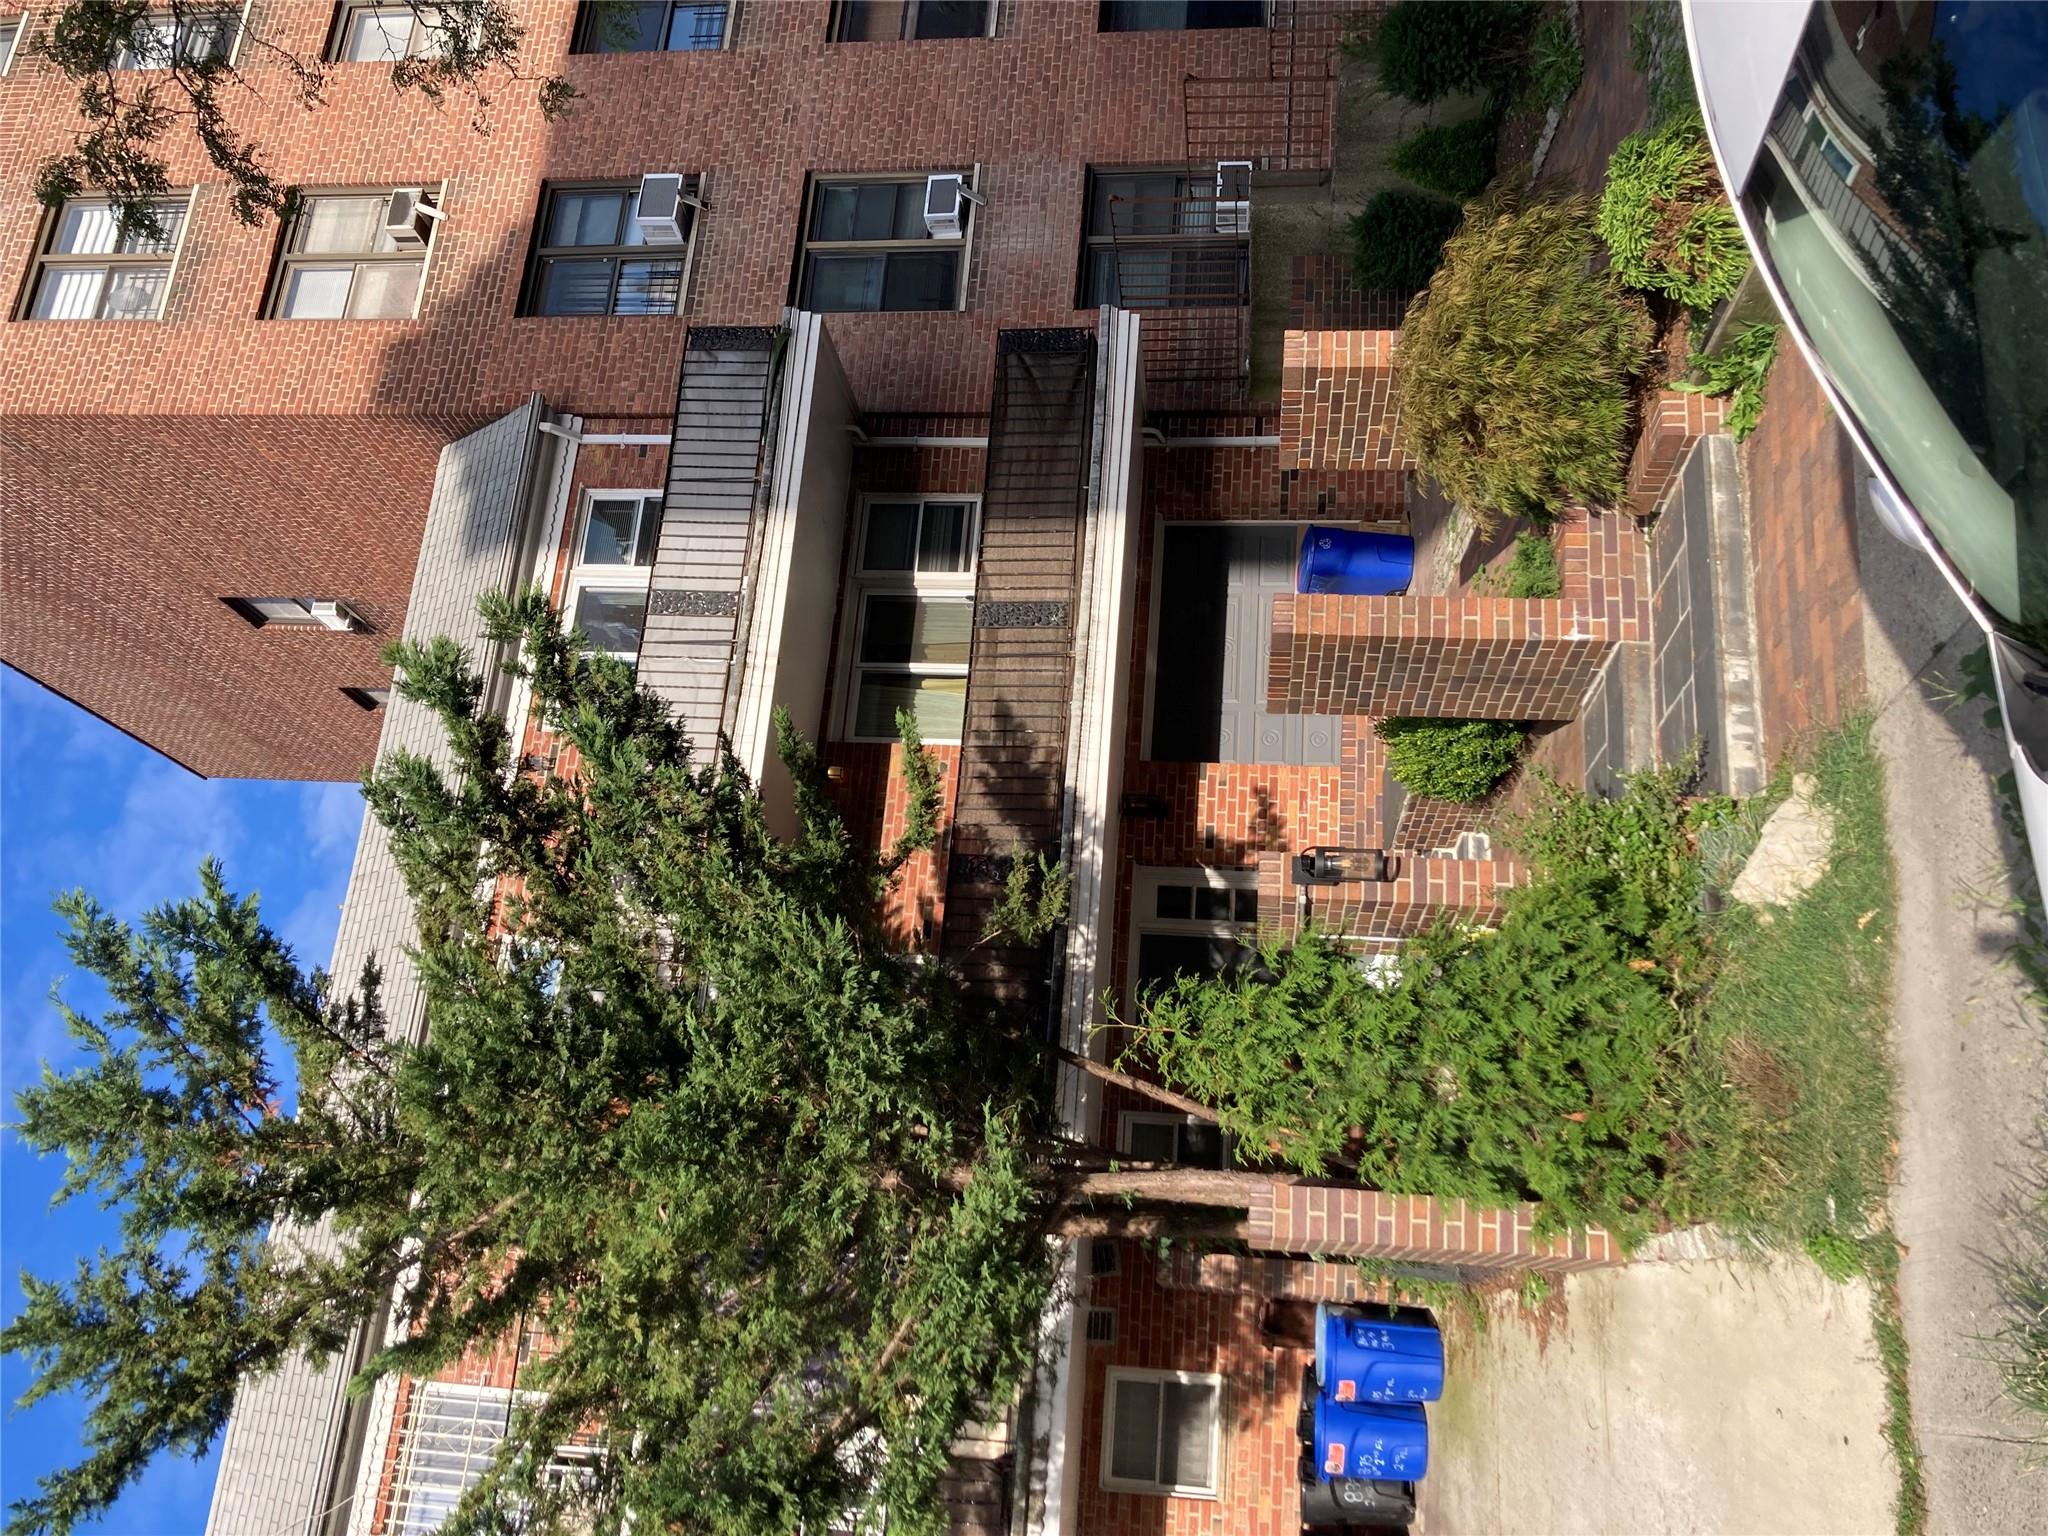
(1901, 197)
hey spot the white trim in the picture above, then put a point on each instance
(23, 21)
(1146, 879)
(602, 577)
(925, 586)
(1118, 1374)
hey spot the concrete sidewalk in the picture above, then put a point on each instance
(1711, 1396)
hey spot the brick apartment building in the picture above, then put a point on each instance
(801, 447)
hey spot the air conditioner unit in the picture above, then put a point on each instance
(945, 205)
(409, 218)
(333, 615)
(1233, 197)
(659, 213)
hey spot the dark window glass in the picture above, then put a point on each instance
(1174, 901)
(903, 266)
(649, 26)
(1180, 15)
(1152, 241)
(594, 259)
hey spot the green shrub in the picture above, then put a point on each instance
(1397, 241)
(1737, 372)
(1665, 218)
(1429, 49)
(1656, 35)
(1556, 63)
(1456, 160)
(1515, 365)
(1532, 569)
(1459, 760)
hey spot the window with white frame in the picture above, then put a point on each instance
(607, 596)
(451, 1435)
(866, 246)
(911, 608)
(93, 267)
(1195, 921)
(1162, 1432)
(373, 33)
(12, 28)
(194, 34)
(339, 260)
(1148, 1137)
(296, 613)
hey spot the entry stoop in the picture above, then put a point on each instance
(1619, 719)
(1701, 623)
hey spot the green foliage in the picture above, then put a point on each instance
(1556, 62)
(1839, 1258)
(1034, 900)
(1888, 1332)
(1429, 49)
(1456, 760)
(1535, 1290)
(1515, 364)
(1456, 159)
(189, 77)
(1532, 569)
(1656, 33)
(1397, 241)
(1665, 218)
(923, 797)
(1738, 372)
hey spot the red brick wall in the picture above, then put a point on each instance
(1677, 419)
(1337, 403)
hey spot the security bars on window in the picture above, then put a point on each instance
(90, 268)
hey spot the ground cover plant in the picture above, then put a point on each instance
(1456, 760)
(1665, 218)
(1737, 373)
(1556, 62)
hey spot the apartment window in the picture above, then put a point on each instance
(1167, 239)
(11, 30)
(339, 261)
(892, 21)
(367, 698)
(866, 247)
(90, 268)
(162, 38)
(1148, 1137)
(1179, 15)
(368, 34)
(912, 609)
(1162, 1432)
(594, 258)
(650, 26)
(295, 613)
(614, 559)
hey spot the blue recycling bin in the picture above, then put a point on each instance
(1361, 1359)
(1354, 563)
(1388, 1441)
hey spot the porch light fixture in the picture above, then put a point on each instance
(1341, 866)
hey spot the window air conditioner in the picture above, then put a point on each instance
(1233, 197)
(659, 213)
(333, 615)
(945, 200)
(409, 218)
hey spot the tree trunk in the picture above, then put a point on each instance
(1109, 1074)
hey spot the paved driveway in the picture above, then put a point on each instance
(1709, 1396)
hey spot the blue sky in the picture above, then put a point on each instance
(82, 804)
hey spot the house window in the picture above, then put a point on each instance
(1167, 239)
(912, 609)
(607, 597)
(1179, 15)
(161, 38)
(1832, 154)
(11, 30)
(1191, 922)
(866, 247)
(1148, 1137)
(296, 613)
(651, 26)
(90, 268)
(368, 698)
(891, 21)
(1162, 1432)
(338, 261)
(367, 34)
(595, 258)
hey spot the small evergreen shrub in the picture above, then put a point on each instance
(1737, 372)
(1665, 218)
(1556, 62)
(1456, 760)
(1398, 240)
(1456, 160)
(1532, 569)
(1515, 365)
(1429, 49)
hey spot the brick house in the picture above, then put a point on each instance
(794, 449)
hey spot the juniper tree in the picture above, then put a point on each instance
(784, 1201)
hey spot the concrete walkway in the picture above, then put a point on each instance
(1972, 1053)
(1712, 1396)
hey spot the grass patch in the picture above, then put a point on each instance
(1888, 1329)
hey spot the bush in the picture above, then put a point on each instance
(1665, 219)
(1429, 49)
(1515, 365)
(1532, 569)
(1737, 372)
(1556, 63)
(1456, 160)
(1398, 240)
(1457, 760)
(1656, 35)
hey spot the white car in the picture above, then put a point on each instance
(1889, 165)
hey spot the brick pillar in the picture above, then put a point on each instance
(1677, 420)
(1337, 407)
(1470, 658)
(1338, 1220)
(1423, 890)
